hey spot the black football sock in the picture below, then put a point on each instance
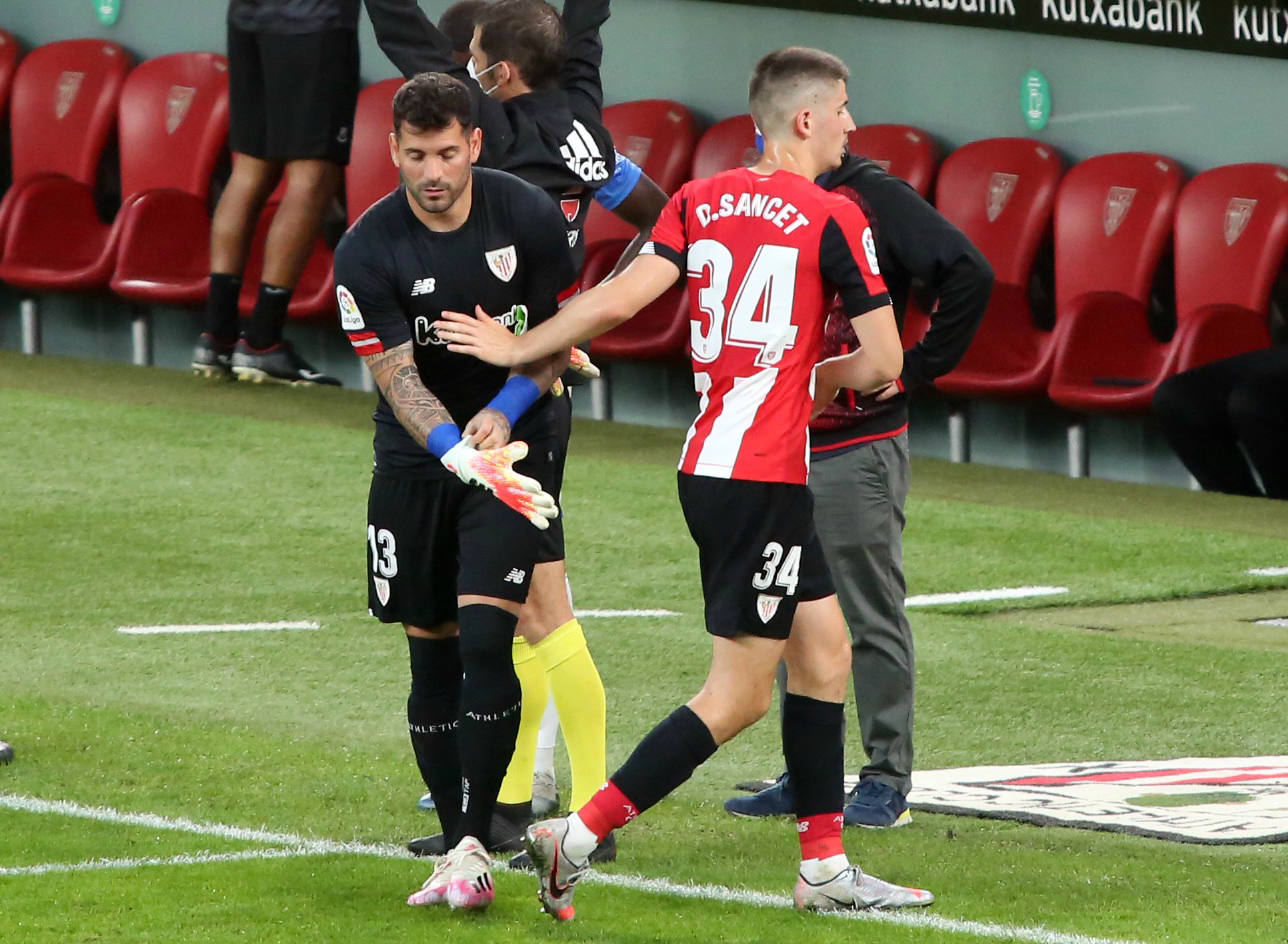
(221, 307)
(432, 709)
(666, 758)
(264, 327)
(490, 702)
(813, 744)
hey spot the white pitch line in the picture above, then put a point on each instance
(979, 596)
(1278, 621)
(611, 613)
(301, 846)
(216, 628)
(1269, 572)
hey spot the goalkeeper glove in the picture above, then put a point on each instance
(493, 469)
(579, 361)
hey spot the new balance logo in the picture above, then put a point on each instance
(582, 155)
(422, 286)
(515, 575)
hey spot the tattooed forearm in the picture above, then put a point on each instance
(417, 409)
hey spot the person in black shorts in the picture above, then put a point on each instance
(539, 103)
(450, 562)
(292, 83)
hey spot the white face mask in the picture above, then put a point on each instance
(478, 76)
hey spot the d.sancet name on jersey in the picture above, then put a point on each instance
(783, 215)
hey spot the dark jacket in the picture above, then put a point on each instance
(918, 251)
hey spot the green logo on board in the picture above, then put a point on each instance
(107, 10)
(1035, 100)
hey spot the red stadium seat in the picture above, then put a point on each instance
(1231, 244)
(173, 127)
(1113, 225)
(660, 331)
(658, 135)
(62, 110)
(1000, 192)
(725, 145)
(371, 172)
(902, 150)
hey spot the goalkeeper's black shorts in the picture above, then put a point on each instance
(431, 540)
(758, 552)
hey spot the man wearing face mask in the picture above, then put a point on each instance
(538, 101)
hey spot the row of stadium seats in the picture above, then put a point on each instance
(1086, 309)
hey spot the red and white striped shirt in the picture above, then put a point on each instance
(763, 256)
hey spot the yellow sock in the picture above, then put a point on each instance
(517, 785)
(579, 696)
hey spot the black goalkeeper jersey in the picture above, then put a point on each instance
(394, 277)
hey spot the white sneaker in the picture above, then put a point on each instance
(470, 884)
(545, 794)
(853, 889)
(434, 891)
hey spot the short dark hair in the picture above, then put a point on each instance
(457, 23)
(431, 101)
(781, 80)
(528, 33)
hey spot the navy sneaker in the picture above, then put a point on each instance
(876, 805)
(277, 364)
(778, 800)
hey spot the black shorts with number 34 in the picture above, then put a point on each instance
(757, 550)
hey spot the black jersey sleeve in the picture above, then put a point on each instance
(544, 249)
(939, 255)
(847, 259)
(410, 40)
(366, 291)
(580, 76)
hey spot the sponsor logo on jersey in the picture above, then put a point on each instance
(516, 319)
(583, 156)
(1237, 215)
(767, 606)
(69, 85)
(382, 590)
(503, 262)
(422, 286)
(177, 104)
(350, 317)
(1223, 800)
(1117, 203)
(1000, 188)
(423, 331)
(571, 209)
(870, 250)
(515, 575)
(573, 236)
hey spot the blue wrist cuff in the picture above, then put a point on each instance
(515, 397)
(442, 438)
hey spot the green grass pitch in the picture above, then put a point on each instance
(136, 496)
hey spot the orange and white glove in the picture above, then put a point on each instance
(579, 361)
(493, 469)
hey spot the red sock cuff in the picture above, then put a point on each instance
(820, 835)
(607, 810)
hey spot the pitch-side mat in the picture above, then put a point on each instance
(287, 845)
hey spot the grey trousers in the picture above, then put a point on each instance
(858, 512)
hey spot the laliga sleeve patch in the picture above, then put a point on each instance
(350, 316)
(870, 248)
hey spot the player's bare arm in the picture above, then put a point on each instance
(641, 209)
(588, 315)
(489, 428)
(394, 372)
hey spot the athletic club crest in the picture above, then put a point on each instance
(382, 590)
(503, 262)
(1117, 203)
(1000, 188)
(177, 104)
(69, 84)
(767, 606)
(571, 208)
(1237, 215)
